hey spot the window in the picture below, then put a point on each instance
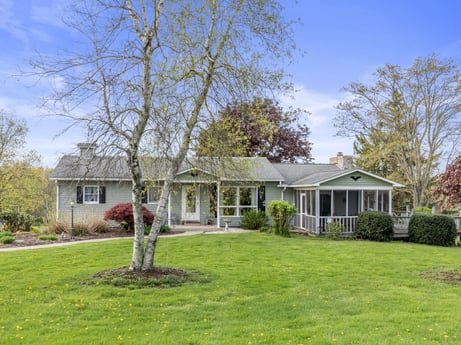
(229, 198)
(153, 194)
(91, 195)
(235, 201)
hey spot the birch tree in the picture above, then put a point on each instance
(151, 70)
(406, 121)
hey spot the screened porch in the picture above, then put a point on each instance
(317, 208)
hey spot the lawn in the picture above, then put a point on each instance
(261, 289)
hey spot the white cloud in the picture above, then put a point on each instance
(320, 122)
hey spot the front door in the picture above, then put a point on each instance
(191, 203)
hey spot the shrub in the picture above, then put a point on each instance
(7, 239)
(374, 226)
(281, 213)
(265, 228)
(58, 228)
(164, 229)
(124, 213)
(422, 209)
(15, 221)
(254, 220)
(99, 227)
(334, 230)
(439, 230)
(5, 233)
(51, 237)
(81, 229)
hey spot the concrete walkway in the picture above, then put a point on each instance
(188, 230)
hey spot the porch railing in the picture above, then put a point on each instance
(347, 223)
(401, 223)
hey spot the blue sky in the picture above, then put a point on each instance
(343, 40)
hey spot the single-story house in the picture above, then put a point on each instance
(219, 191)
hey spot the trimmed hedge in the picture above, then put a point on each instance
(437, 229)
(374, 226)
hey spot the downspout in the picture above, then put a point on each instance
(283, 191)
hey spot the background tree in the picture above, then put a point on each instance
(12, 136)
(448, 189)
(24, 185)
(259, 128)
(405, 122)
(154, 69)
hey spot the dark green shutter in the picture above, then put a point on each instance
(102, 194)
(79, 195)
(262, 198)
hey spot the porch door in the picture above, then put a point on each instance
(190, 203)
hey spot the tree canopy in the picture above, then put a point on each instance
(448, 187)
(256, 128)
(24, 186)
(404, 122)
(150, 71)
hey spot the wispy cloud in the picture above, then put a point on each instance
(321, 107)
(9, 21)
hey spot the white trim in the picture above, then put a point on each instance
(57, 202)
(84, 195)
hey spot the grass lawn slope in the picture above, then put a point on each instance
(259, 289)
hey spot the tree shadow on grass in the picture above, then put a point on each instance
(158, 277)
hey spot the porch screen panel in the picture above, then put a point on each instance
(339, 201)
(383, 200)
(369, 200)
(353, 203)
(325, 203)
(313, 206)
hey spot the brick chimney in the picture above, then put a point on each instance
(343, 162)
(87, 150)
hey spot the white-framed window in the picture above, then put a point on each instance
(235, 201)
(91, 194)
(153, 194)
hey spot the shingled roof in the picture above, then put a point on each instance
(308, 174)
(116, 168)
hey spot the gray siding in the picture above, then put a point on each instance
(273, 192)
(116, 192)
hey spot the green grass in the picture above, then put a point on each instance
(262, 289)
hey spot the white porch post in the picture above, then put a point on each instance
(218, 202)
(317, 211)
(390, 202)
(169, 210)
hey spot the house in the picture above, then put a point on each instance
(220, 191)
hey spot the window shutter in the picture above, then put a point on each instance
(262, 198)
(102, 194)
(79, 195)
(144, 192)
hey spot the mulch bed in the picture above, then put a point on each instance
(26, 239)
